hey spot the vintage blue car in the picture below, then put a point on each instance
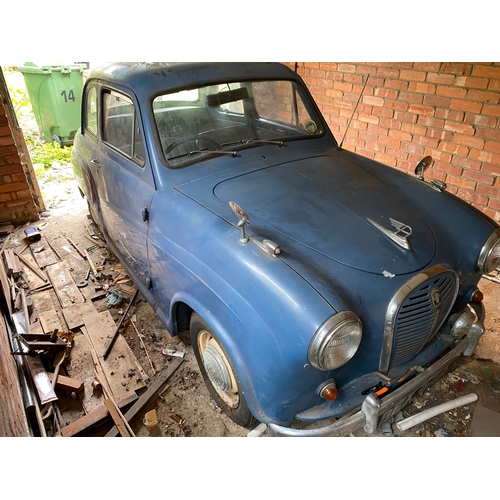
(316, 284)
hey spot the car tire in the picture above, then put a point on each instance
(219, 374)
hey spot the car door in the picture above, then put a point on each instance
(125, 181)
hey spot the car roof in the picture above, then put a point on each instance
(148, 78)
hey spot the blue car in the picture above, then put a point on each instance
(316, 284)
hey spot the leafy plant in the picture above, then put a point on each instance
(40, 151)
(49, 153)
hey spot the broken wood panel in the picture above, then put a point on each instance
(75, 315)
(43, 301)
(95, 417)
(32, 273)
(43, 253)
(63, 248)
(90, 293)
(121, 367)
(82, 368)
(117, 417)
(50, 321)
(64, 285)
(149, 395)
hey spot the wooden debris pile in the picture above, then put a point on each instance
(77, 373)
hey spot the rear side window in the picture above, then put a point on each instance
(91, 110)
(120, 127)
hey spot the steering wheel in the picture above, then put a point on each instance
(189, 138)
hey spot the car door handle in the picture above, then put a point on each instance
(95, 162)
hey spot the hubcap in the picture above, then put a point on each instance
(218, 369)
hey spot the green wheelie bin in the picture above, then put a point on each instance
(55, 94)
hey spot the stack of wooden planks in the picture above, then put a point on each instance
(47, 272)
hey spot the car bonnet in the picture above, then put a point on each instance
(334, 207)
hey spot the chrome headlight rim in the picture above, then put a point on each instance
(330, 330)
(484, 264)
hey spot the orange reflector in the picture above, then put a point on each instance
(381, 391)
(329, 392)
(477, 296)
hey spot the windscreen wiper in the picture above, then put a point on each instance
(219, 151)
(263, 141)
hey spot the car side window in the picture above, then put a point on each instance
(91, 110)
(120, 127)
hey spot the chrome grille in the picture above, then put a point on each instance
(416, 312)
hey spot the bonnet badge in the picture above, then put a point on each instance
(399, 236)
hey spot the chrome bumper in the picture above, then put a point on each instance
(375, 411)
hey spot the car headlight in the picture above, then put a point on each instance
(335, 342)
(489, 257)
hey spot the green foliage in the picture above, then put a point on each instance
(40, 151)
(49, 153)
(18, 92)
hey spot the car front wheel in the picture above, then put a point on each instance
(219, 374)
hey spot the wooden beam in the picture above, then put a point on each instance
(93, 418)
(150, 394)
(67, 383)
(38, 272)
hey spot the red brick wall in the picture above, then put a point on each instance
(16, 202)
(450, 111)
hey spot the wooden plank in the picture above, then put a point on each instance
(67, 383)
(6, 295)
(119, 424)
(121, 367)
(95, 417)
(32, 271)
(43, 253)
(75, 315)
(76, 247)
(91, 263)
(64, 285)
(10, 263)
(48, 319)
(149, 395)
(42, 301)
(62, 247)
(113, 408)
(90, 293)
(101, 375)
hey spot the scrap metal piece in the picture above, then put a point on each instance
(113, 339)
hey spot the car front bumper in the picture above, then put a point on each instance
(375, 411)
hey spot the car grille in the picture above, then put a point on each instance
(416, 312)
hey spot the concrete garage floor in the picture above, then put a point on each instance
(479, 374)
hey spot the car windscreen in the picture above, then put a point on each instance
(224, 117)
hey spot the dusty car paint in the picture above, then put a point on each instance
(329, 212)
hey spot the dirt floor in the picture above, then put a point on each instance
(184, 408)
